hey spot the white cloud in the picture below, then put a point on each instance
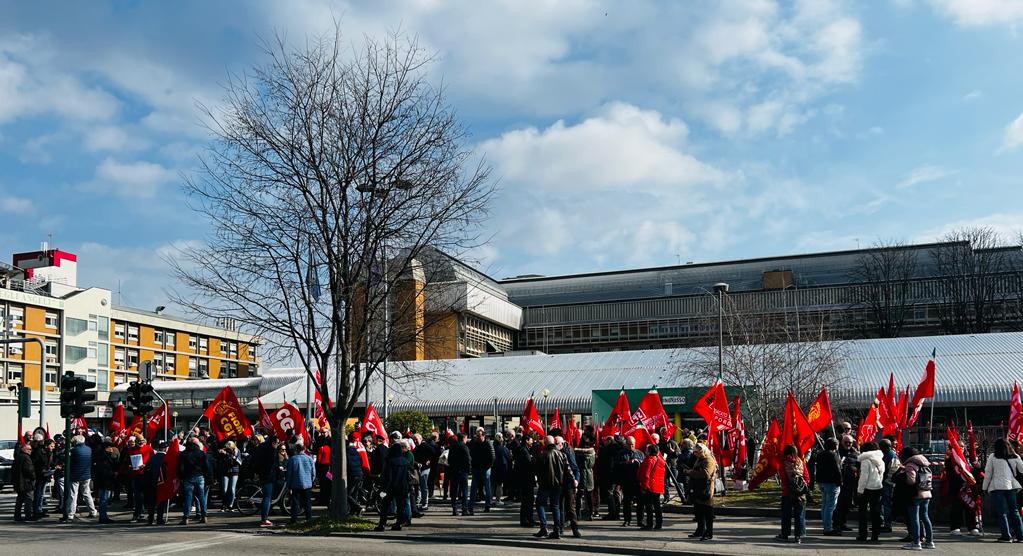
(1008, 225)
(112, 138)
(1013, 137)
(973, 95)
(923, 174)
(973, 13)
(16, 204)
(129, 179)
(140, 272)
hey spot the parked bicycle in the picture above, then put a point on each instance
(250, 498)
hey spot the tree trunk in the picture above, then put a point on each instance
(338, 508)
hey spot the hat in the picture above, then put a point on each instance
(395, 435)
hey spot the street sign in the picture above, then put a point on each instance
(146, 371)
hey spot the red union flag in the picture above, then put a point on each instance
(372, 425)
(289, 417)
(713, 407)
(167, 484)
(923, 391)
(651, 415)
(796, 429)
(738, 434)
(770, 456)
(265, 420)
(531, 418)
(136, 427)
(618, 418)
(117, 419)
(555, 420)
(961, 466)
(79, 423)
(1015, 414)
(155, 422)
(226, 416)
(819, 415)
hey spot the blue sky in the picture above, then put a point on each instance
(622, 134)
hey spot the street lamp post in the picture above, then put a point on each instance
(721, 289)
(546, 393)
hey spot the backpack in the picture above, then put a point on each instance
(924, 478)
(797, 485)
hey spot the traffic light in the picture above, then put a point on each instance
(24, 402)
(140, 398)
(75, 397)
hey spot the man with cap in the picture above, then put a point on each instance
(104, 476)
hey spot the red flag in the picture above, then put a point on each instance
(923, 391)
(155, 422)
(1015, 414)
(289, 417)
(796, 429)
(902, 408)
(713, 407)
(738, 433)
(226, 416)
(651, 414)
(642, 437)
(972, 440)
(265, 420)
(117, 419)
(167, 484)
(571, 432)
(555, 421)
(892, 402)
(619, 417)
(819, 415)
(361, 448)
(722, 447)
(372, 425)
(530, 419)
(770, 456)
(960, 464)
(135, 427)
(79, 423)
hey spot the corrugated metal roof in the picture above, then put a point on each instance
(971, 369)
(208, 388)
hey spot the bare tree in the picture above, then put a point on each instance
(761, 358)
(332, 174)
(972, 267)
(883, 277)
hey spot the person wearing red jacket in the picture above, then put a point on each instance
(137, 456)
(651, 482)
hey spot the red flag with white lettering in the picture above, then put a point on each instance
(227, 417)
(619, 417)
(155, 421)
(531, 418)
(372, 425)
(1015, 414)
(651, 414)
(713, 407)
(167, 484)
(289, 417)
(117, 419)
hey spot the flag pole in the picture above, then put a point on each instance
(930, 427)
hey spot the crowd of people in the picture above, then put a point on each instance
(557, 483)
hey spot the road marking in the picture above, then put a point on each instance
(172, 547)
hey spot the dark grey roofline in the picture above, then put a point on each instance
(919, 246)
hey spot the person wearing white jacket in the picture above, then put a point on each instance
(1001, 484)
(869, 490)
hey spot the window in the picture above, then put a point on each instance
(120, 378)
(74, 354)
(93, 325)
(169, 362)
(192, 342)
(102, 380)
(133, 333)
(119, 358)
(170, 338)
(252, 352)
(51, 376)
(74, 326)
(234, 348)
(103, 356)
(17, 317)
(204, 370)
(119, 331)
(158, 362)
(14, 349)
(223, 347)
(232, 370)
(158, 337)
(193, 367)
(51, 320)
(104, 327)
(133, 358)
(93, 350)
(204, 344)
(52, 351)
(14, 373)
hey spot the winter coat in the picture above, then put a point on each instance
(603, 469)
(551, 468)
(265, 462)
(395, 477)
(482, 454)
(154, 468)
(354, 462)
(626, 466)
(425, 454)
(573, 467)
(502, 464)
(300, 471)
(792, 467)
(192, 462)
(703, 471)
(81, 464)
(459, 458)
(651, 474)
(104, 470)
(40, 458)
(522, 466)
(913, 466)
(999, 474)
(585, 458)
(829, 468)
(871, 471)
(23, 472)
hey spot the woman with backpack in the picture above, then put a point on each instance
(794, 481)
(1000, 483)
(919, 480)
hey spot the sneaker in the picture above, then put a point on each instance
(911, 546)
(955, 533)
(379, 528)
(266, 523)
(975, 532)
(929, 545)
(92, 515)
(1004, 539)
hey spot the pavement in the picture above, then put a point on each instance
(439, 533)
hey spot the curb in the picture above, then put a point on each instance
(559, 545)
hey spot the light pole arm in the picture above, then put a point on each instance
(42, 372)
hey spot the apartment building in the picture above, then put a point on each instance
(84, 332)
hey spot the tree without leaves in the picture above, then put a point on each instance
(972, 269)
(883, 277)
(321, 160)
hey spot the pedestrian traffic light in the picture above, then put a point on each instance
(67, 394)
(74, 396)
(140, 398)
(24, 402)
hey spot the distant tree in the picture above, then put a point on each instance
(413, 421)
(973, 266)
(883, 276)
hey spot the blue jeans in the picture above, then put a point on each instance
(919, 521)
(1008, 513)
(138, 496)
(424, 487)
(104, 500)
(195, 486)
(829, 499)
(460, 484)
(886, 504)
(268, 498)
(550, 496)
(230, 483)
(480, 485)
(40, 495)
(791, 508)
(301, 499)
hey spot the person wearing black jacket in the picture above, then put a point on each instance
(481, 451)
(193, 468)
(23, 475)
(425, 454)
(626, 469)
(459, 464)
(850, 478)
(42, 460)
(604, 472)
(568, 486)
(353, 462)
(525, 479)
(395, 484)
(266, 465)
(104, 477)
(150, 480)
(829, 479)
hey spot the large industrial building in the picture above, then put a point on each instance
(84, 332)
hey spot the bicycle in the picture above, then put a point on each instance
(250, 498)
